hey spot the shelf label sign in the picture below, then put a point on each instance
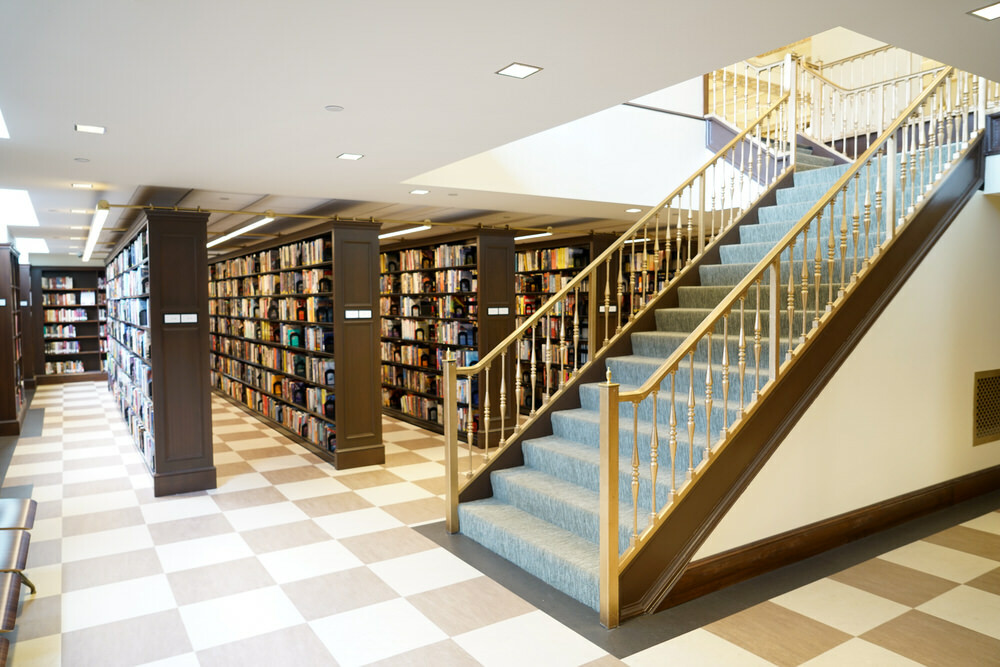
(357, 314)
(171, 318)
(611, 309)
(501, 310)
(3, 303)
(24, 303)
(189, 318)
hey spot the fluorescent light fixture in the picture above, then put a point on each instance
(350, 156)
(90, 129)
(532, 236)
(633, 210)
(989, 13)
(419, 192)
(83, 186)
(638, 240)
(269, 217)
(16, 209)
(4, 134)
(400, 232)
(519, 70)
(31, 246)
(100, 215)
(81, 226)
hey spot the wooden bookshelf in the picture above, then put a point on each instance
(13, 396)
(28, 330)
(69, 305)
(454, 297)
(158, 347)
(540, 270)
(292, 321)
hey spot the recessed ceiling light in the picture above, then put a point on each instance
(81, 159)
(989, 13)
(3, 128)
(350, 156)
(333, 107)
(31, 246)
(633, 210)
(519, 71)
(90, 129)
(419, 192)
(83, 186)
(400, 232)
(81, 211)
(16, 209)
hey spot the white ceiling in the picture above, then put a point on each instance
(220, 103)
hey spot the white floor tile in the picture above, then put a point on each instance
(253, 443)
(99, 502)
(46, 529)
(90, 452)
(391, 494)
(417, 471)
(241, 616)
(310, 560)
(358, 522)
(841, 606)
(42, 468)
(311, 488)
(89, 607)
(988, 522)
(859, 653)
(695, 649)
(203, 551)
(437, 454)
(171, 509)
(244, 482)
(105, 543)
(184, 660)
(262, 516)
(278, 463)
(41, 652)
(94, 474)
(940, 561)
(47, 580)
(221, 458)
(47, 492)
(363, 635)
(423, 571)
(541, 640)
(969, 607)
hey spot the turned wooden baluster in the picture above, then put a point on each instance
(708, 400)
(654, 456)
(607, 296)
(690, 421)
(486, 415)
(655, 288)
(621, 287)
(680, 202)
(690, 224)
(576, 330)
(534, 368)
(881, 156)
(757, 344)
(741, 356)
(503, 398)
(790, 307)
(855, 229)
(830, 255)
(547, 378)
(635, 472)
(562, 345)
(725, 374)
(672, 441)
(518, 386)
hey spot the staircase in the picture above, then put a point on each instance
(543, 515)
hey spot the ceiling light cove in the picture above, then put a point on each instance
(83, 186)
(90, 129)
(519, 70)
(633, 210)
(419, 192)
(350, 156)
(532, 236)
(989, 13)
(268, 218)
(400, 232)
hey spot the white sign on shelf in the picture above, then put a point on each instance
(24, 304)
(358, 314)
(3, 302)
(171, 318)
(189, 318)
(499, 310)
(611, 309)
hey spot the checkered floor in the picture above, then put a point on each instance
(290, 562)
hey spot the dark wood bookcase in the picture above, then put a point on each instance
(69, 312)
(452, 297)
(29, 333)
(294, 338)
(158, 369)
(541, 269)
(13, 395)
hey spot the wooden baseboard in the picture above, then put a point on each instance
(731, 567)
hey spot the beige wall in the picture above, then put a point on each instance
(897, 416)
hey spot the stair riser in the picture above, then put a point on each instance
(731, 274)
(752, 253)
(663, 343)
(590, 400)
(632, 374)
(707, 298)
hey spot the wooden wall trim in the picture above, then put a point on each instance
(731, 567)
(648, 580)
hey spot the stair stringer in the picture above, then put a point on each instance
(568, 398)
(646, 584)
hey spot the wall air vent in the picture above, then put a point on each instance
(986, 407)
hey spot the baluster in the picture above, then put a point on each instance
(855, 226)
(672, 441)
(690, 423)
(547, 378)
(830, 255)
(791, 294)
(666, 247)
(757, 344)
(635, 277)
(741, 358)
(518, 385)
(939, 134)
(843, 234)
(607, 296)
(708, 400)
(654, 456)
(635, 472)
(503, 398)
(690, 225)
(576, 330)
(656, 256)
(621, 287)
(680, 202)
(562, 345)
(882, 155)
(902, 177)
(967, 133)
(762, 178)
(486, 415)
(534, 368)
(732, 190)
(743, 152)
(923, 183)
(469, 430)
(949, 117)
(645, 262)
(914, 184)
(714, 95)
(725, 375)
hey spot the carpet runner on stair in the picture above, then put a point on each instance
(544, 515)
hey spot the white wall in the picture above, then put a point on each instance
(897, 416)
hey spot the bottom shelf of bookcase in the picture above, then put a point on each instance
(13, 426)
(59, 378)
(184, 481)
(424, 424)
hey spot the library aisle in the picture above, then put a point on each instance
(292, 562)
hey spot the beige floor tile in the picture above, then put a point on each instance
(386, 544)
(97, 487)
(469, 605)
(894, 582)
(284, 536)
(337, 592)
(989, 582)
(297, 645)
(128, 642)
(841, 606)
(38, 616)
(935, 642)
(297, 474)
(367, 480)
(417, 512)
(442, 653)
(249, 498)
(219, 580)
(189, 529)
(110, 569)
(102, 521)
(977, 542)
(969, 607)
(859, 653)
(332, 504)
(695, 649)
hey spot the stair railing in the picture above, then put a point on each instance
(879, 64)
(768, 319)
(830, 113)
(739, 93)
(631, 273)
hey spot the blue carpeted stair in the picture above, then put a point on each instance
(544, 515)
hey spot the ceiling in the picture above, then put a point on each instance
(221, 104)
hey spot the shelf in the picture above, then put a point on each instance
(273, 272)
(283, 295)
(297, 406)
(461, 267)
(293, 376)
(272, 344)
(428, 294)
(264, 319)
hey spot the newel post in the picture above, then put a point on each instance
(451, 443)
(609, 504)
